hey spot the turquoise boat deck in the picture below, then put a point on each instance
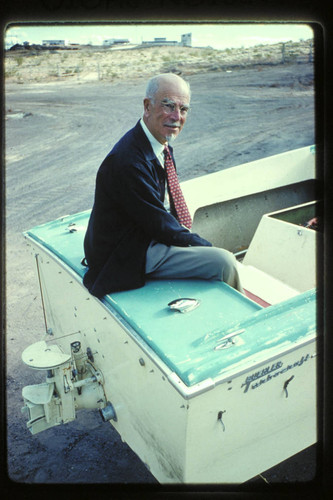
(191, 344)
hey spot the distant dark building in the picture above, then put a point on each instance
(52, 43)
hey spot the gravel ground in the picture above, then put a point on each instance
(57, 134)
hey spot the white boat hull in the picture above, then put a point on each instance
(248, 414)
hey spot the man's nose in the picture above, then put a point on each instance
(176, 114)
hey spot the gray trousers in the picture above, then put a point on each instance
(209, 263)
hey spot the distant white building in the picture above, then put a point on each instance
(160, 41)
(115, 41)
(58, 43)
(186, 41)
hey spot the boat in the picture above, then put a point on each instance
(204, 383)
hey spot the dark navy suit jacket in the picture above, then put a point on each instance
(129, 213)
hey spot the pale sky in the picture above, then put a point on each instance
(216, 35)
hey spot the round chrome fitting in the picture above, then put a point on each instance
(108, 413)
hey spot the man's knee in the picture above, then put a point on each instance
(224, 260)
(229, 269)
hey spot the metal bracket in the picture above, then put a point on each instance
(286, 385)
(219, 418)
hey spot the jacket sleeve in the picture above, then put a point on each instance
(137, 194)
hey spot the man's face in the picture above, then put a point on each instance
(166, 115)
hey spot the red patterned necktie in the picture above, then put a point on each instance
(179, 202)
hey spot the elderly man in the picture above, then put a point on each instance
(139, 226)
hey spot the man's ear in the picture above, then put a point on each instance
(146, 106)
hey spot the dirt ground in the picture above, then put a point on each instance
(57, 134)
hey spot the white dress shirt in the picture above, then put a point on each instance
(158, 150)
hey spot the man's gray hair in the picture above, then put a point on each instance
(154, 83)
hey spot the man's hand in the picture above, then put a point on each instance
(197, 241)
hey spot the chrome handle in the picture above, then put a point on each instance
(228, 340)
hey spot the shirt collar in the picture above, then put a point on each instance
(155, 144)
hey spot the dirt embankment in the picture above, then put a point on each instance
(33, 64)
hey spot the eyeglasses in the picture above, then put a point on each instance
(170, 107)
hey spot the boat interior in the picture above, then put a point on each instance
(271, 236)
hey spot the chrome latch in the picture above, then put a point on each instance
(228, 340)
(184, 304)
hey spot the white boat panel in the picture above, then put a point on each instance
(285, 249)
(257, 176)
(264, 286)
(227, 206)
